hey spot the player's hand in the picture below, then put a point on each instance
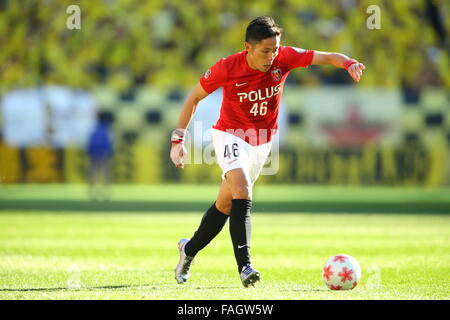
(355, 71)
(177, 153)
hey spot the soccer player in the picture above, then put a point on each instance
(252, 82)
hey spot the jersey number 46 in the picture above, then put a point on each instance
(259, 109)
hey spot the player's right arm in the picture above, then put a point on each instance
(190, 106)
(212, 79)
(178, 152)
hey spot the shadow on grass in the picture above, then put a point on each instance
(147, 286)
(305, 290)
(77, 289)
(259, 206)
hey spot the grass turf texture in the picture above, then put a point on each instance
(52, 254)
(194, 198)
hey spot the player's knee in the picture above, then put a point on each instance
(242, 192)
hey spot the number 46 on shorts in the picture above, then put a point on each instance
(231, 149)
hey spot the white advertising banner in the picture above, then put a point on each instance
(54, 116)
(24, 118)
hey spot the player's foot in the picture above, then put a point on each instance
(184, 265)
(250, 276)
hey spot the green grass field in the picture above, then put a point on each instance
(65, 253)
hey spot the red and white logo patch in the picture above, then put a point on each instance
(276, 74)
(207, 73)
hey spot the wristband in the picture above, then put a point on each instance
(177, 136)
(349, 62)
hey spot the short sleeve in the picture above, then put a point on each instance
(214, 77)
(297, 57)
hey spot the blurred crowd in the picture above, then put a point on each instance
(123, 43)
(131, 63)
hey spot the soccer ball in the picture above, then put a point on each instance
(341, 272)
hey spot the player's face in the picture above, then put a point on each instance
(260, 55)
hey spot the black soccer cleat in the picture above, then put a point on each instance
(250, 276)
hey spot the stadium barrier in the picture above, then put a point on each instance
(136, 163)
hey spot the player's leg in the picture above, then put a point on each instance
(228, 198)
(223, 202)
(241, 182)
(93, 177)
(212, 222)
(240, 224)
(210, 226)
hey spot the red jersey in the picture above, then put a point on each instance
(251, 98)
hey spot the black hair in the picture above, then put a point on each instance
(262, 28)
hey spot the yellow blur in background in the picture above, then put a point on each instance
(137, 61)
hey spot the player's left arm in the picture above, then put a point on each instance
(339, 60)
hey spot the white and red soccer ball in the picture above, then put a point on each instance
(341, 272)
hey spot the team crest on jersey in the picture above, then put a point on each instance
(207, 73)
(276, 74)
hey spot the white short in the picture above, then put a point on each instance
(232, 152)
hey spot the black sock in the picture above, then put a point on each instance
(240, 230)
(210, 226)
